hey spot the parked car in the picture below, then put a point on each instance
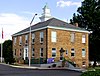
(92, 62)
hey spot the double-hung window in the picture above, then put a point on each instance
(41, 52)
(20, 40)
(53, 36)
(33, 52)
(41, 37)
(26, 38)
(83, 53)
(33, 38)
(72, 52)
(83, 38)
(53, 52)
(14, 40)
(72, 37)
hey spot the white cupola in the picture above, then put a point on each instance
(46, 13)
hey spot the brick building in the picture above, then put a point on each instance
(48, 37)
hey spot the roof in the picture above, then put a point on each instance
(51, 23)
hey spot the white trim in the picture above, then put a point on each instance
(54, 51)
(33, 52)
(53, 27)
(53, 36)
(41, 51)
(25, 54)
(41, 36)
(83, 52)
(31, 31)
(68, 29)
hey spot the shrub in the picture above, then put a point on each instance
(91, 73)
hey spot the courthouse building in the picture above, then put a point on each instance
(48, 37)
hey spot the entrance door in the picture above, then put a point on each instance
(25, 53)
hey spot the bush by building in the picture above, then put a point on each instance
(91, 73)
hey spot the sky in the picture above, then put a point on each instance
(16, 15)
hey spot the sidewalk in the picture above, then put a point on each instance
(55, 68)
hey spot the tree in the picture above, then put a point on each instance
(88, 17)
(7, 52)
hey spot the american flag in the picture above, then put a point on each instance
(2, 34)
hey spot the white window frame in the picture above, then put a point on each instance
(41, 52)
(20, 40)
(72, 51)
(41, 37)
(33, 52)
(26, 38)
(26, 52)
(33, 38)
(83, 52)
(15, 40)
(83, 64)
(83, 38)
(53, 51)
(53, 36)
(72, 37)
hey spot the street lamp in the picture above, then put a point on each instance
(61, 53)
(30, 40)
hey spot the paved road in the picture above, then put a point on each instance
(10, 71)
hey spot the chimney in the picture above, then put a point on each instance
(76, 24)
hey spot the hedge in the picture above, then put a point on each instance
(91, 73)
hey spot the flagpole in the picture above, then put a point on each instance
(1, 45)
(1, 52)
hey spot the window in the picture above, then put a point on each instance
(20, 40)
(15, 52)
(83, 52)
(41, 52)
(83, 38)
(14, 40)
(33, 54)
(66, 52)
(72, 37)
(72, 52)
(26, 38)
(33, 38)
(26, 53)
(83, 64)
(53, 36)
(41, 37)
(53, 52)
(20, 52)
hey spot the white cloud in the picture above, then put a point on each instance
(11, 19)
(12, 23)
(63, 3)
